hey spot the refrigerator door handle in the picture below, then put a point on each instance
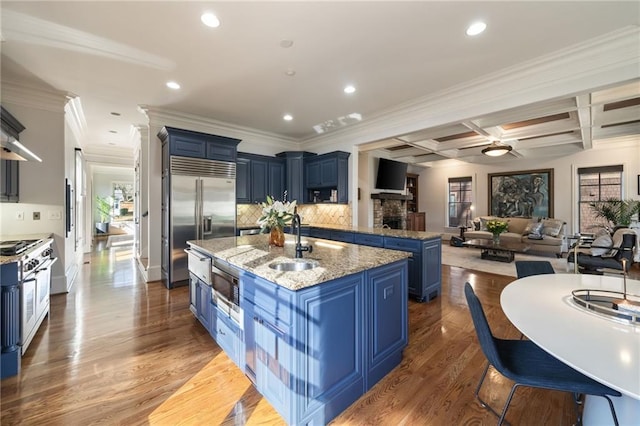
(197, 209)
(207, 226)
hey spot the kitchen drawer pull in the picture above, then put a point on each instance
(193, 253)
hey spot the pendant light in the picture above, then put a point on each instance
(496, 149)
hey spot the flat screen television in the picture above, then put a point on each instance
(391, 174)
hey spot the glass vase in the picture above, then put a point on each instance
(496, 238)
(276, 237)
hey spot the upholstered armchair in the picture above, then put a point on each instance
(606, 254)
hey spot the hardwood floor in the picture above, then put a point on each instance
(116, 350)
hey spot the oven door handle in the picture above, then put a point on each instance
(46, 265)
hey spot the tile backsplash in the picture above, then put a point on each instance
(335, 214)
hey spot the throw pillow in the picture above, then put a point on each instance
(552, 227)
(483, 223)
(617, 241)
(476, 224)
(601, 245)
(534, 228)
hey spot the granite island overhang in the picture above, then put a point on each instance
(311, 341)
(253, 254)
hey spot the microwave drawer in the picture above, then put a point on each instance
(199, 265)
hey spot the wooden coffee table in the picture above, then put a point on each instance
(501, 252)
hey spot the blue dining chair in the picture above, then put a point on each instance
(528, 365)
(526, 268)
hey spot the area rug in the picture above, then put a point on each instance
(469, 258)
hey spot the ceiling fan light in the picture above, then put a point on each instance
(496, 149)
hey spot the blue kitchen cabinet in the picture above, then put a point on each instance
(200, 300)
(258, 176)
(10, 318)
(311, 353)
(368, 240)
(344, 236)
(431, 268)
(320, 233)
(326, 172)
(388, 294)
(259, 179)
(227, 335)
(187, 143)
(276, 179)
(243, 180)
(424, 265)
(295, 166)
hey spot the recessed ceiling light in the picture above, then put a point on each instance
(173, 85)
(285, 44)
(210, 20)
(476, 28)
(349, 89)
(112, 143)
(290, 72)
(113, 131)
(287, 117)
(117, 114)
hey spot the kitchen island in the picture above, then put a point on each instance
(312, 341)
(426, 251)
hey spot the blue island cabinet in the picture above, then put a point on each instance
(313, 352)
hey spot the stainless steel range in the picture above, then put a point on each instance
(15, 247)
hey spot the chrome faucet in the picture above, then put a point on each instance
(296, 227)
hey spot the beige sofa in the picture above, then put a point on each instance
(552, 233)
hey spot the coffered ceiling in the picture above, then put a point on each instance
(547, 129)
(268, 59)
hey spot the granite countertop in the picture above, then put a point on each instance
(253, 254)
(400, 233)
(18, 237)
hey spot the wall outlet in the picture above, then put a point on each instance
(19, 215)
(55, 215)
(36, 215)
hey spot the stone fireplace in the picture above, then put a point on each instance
(390, 210)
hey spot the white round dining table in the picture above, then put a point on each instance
(605, 349)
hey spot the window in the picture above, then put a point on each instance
(460, 197)
(596, 184)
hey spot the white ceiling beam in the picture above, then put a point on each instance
(585, 120)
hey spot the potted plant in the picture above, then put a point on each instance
(103, 206)
(618, 213)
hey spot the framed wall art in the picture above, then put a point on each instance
(526, 193)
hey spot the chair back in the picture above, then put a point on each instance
(627, 246)
(526, 268)
(483, 331)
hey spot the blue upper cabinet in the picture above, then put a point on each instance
(243, 180)
(325, 173)
(258, 176)
(187, 143)
(294, 182)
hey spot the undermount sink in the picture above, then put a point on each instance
(294, 265)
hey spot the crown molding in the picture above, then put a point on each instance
(595, 63)
(34, 97)
(159, 117)
(74, 116)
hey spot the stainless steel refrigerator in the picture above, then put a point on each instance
(201, 205)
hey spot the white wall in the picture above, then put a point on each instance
(434, 182)
(41, 184)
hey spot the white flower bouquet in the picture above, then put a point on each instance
(275, 214)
